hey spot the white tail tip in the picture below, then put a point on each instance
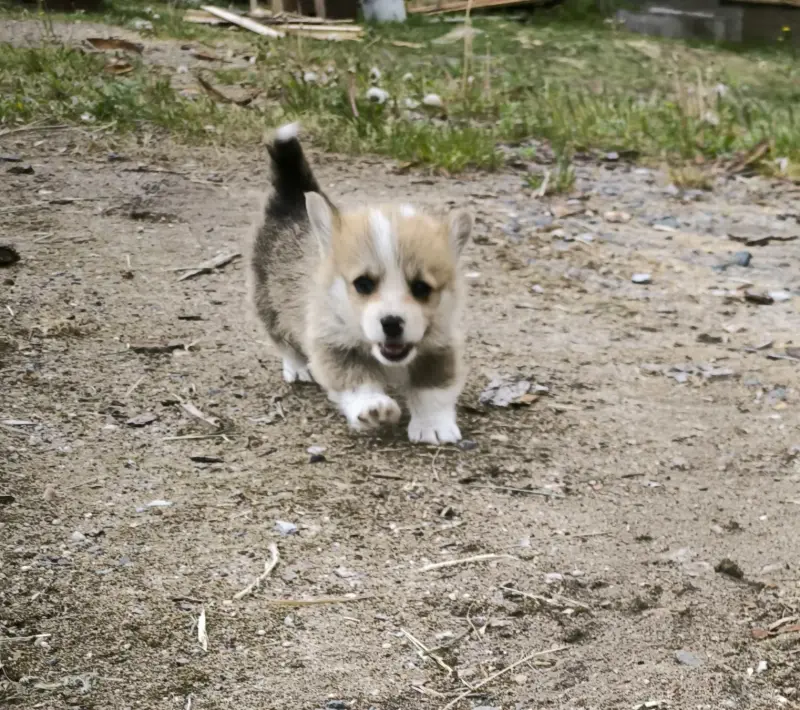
(287, 132)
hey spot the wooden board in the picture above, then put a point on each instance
(245, 22)
(461, 5)
(784, 3)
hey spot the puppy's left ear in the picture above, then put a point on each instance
(459, 226)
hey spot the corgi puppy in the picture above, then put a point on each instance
(363, 301)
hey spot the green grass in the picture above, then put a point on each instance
(562, 77)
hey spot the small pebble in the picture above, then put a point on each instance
(285, 528)
(686, 658)
(553, 578)
(642, 278)
(77, 536)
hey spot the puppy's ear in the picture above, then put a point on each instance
(459, 226)
(321, 215)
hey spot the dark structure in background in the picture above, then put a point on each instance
(719, 20)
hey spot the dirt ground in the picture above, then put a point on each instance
(666, 443)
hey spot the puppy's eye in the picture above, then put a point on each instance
(420, 290)
(365, 285)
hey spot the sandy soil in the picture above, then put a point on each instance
(666, 443)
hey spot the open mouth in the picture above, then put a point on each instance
(395, 352)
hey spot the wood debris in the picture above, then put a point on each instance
(208, 266)
(461, 5)
(193, 411)
(244, 22)
(289, 23)
(268, 567)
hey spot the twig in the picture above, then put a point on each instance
(32, 127)
(423, 650)
(542, 191)
(433, 464)
(317, 601)
(268, 567)
(559, 602)
(190, 409)
(208, 266)
(202, 635)
(499, 673)
(467, 46)
(133, 387)
(23, 639)
(465, 561)
(188, 437)
(546, 494)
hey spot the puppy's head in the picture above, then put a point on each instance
(391, 272)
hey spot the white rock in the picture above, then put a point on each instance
(553, 578)
(377, 96)
(433, 100)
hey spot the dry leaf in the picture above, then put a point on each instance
(224, 98)
(118, 68)
(206, 55)
(111, 43)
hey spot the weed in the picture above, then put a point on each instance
(691, 177)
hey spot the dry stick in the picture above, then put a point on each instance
(22, 639)
(268, 567)
(499, 673)
(546, 494)
(423, 650)
(465, 561)
(556, 602)
(467, 45)
(315, 602)
(133, 387)
(27, 129)
(192, 410)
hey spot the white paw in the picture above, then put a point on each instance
(441, 429)
(373, 410)
(296, 372)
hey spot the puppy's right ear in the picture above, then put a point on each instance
(321, 214)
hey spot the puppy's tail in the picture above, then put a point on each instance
(291, 175)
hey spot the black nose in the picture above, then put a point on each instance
(392, 326)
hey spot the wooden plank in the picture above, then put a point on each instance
(245, 22)
(309, 27)
(461, 6)
(785, 3)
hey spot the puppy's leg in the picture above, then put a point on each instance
(295, 366)
(353, 381)
(367, 406)
(435, 386)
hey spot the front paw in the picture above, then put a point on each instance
(441, 429)
(372, 411)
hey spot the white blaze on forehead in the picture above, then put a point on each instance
(382, 237)
(407, 211)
